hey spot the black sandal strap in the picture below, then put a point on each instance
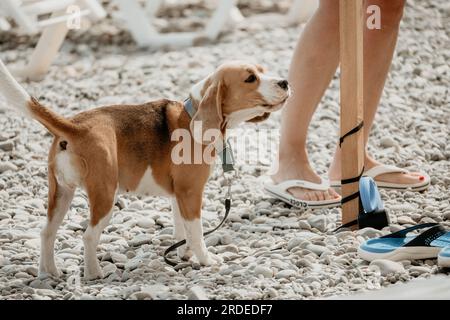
(427, 237)
(404, 232)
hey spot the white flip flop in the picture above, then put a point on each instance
(280, 191)
(383, 169)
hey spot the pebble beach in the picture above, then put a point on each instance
(270, 250)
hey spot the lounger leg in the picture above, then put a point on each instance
(46, 50)
(13, 8)
(137, 21)
(235, 16)
(219, 18)
(97, 11)
(152, 7)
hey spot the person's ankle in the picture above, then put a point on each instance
(370, 162)
(298, 155)
(334, 171)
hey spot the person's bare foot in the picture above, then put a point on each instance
(334, 172)
(301, 170)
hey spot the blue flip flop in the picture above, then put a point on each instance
(444, 258)
(397, 246)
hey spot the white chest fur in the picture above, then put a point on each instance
(148, 186)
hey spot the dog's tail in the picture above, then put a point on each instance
(18, 99)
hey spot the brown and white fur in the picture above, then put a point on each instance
(127, 148)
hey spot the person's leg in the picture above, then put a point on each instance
(314, 63)
(379, 48)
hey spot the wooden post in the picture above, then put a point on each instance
(351, 24)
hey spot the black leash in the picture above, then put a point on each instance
(348, 181)
(351, 180)
(227, 165)
(182, 242)
(354, 179)
(353, 131)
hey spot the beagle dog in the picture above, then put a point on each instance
(127, 149)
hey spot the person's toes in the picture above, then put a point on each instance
(316, 195)
(305, 196)
(411, 176)
(418, 175)
(333, 194)
(320, 195)
(327, 195)
(403, 178)
(311, 196)
(299, 193)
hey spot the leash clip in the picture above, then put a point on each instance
(227, 157)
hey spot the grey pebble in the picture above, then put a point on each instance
(317, 249)
(319, 222)
(285, 274)
(419, 270)
(6, 166)
(139, 240)
(197, 293)
(39, 284)
(212, 240)
(7, 145)
(32, 271)
(369, 233)
(266, 272)
(118, 257)
(387, 267)
(304, 225)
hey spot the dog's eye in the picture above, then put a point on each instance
(251, 78)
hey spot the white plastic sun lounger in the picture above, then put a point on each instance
(299, 12)
(31, 16)
(139, 21)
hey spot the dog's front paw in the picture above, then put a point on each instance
(184, 253)
(209, 259)
(52, 270)
(94, 274)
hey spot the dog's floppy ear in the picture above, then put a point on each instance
(209, 113)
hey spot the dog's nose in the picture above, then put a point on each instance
(284, 84)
